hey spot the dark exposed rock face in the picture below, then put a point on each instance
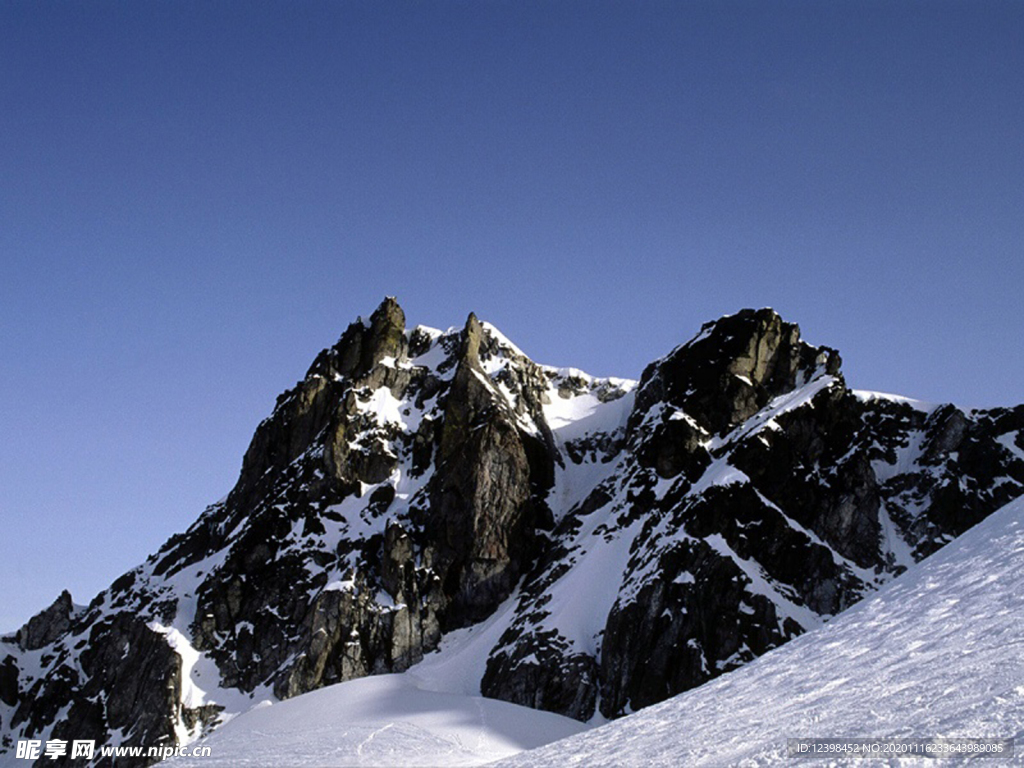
(325, 400)
(9, 681)
(732, 369)
(46, 626)
(484, 521)
(124, 677)
(629, 540)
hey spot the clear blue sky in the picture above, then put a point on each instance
(196, 197)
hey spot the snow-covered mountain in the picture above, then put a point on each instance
(594, 545)
(935, 654)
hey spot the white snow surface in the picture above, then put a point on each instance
(936, 653)
(384, 720)
(1007, 441)
(865, 395)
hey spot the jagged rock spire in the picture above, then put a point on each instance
(472, 335)
(483, 491)
(387, 333)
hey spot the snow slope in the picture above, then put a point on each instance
(937, 653)
(383, 720)
(432, 714)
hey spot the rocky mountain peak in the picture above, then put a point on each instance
(47, 625)
(733, 368)
(387, 333)
(364, 344)
(764, 348)
(472, 336)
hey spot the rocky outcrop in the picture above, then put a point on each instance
(483, 516)
(47, 625)
(626, 540)
(124, 678)
(731, 370)
(9, 688)
(324, 399)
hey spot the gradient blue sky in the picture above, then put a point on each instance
(196, 197)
